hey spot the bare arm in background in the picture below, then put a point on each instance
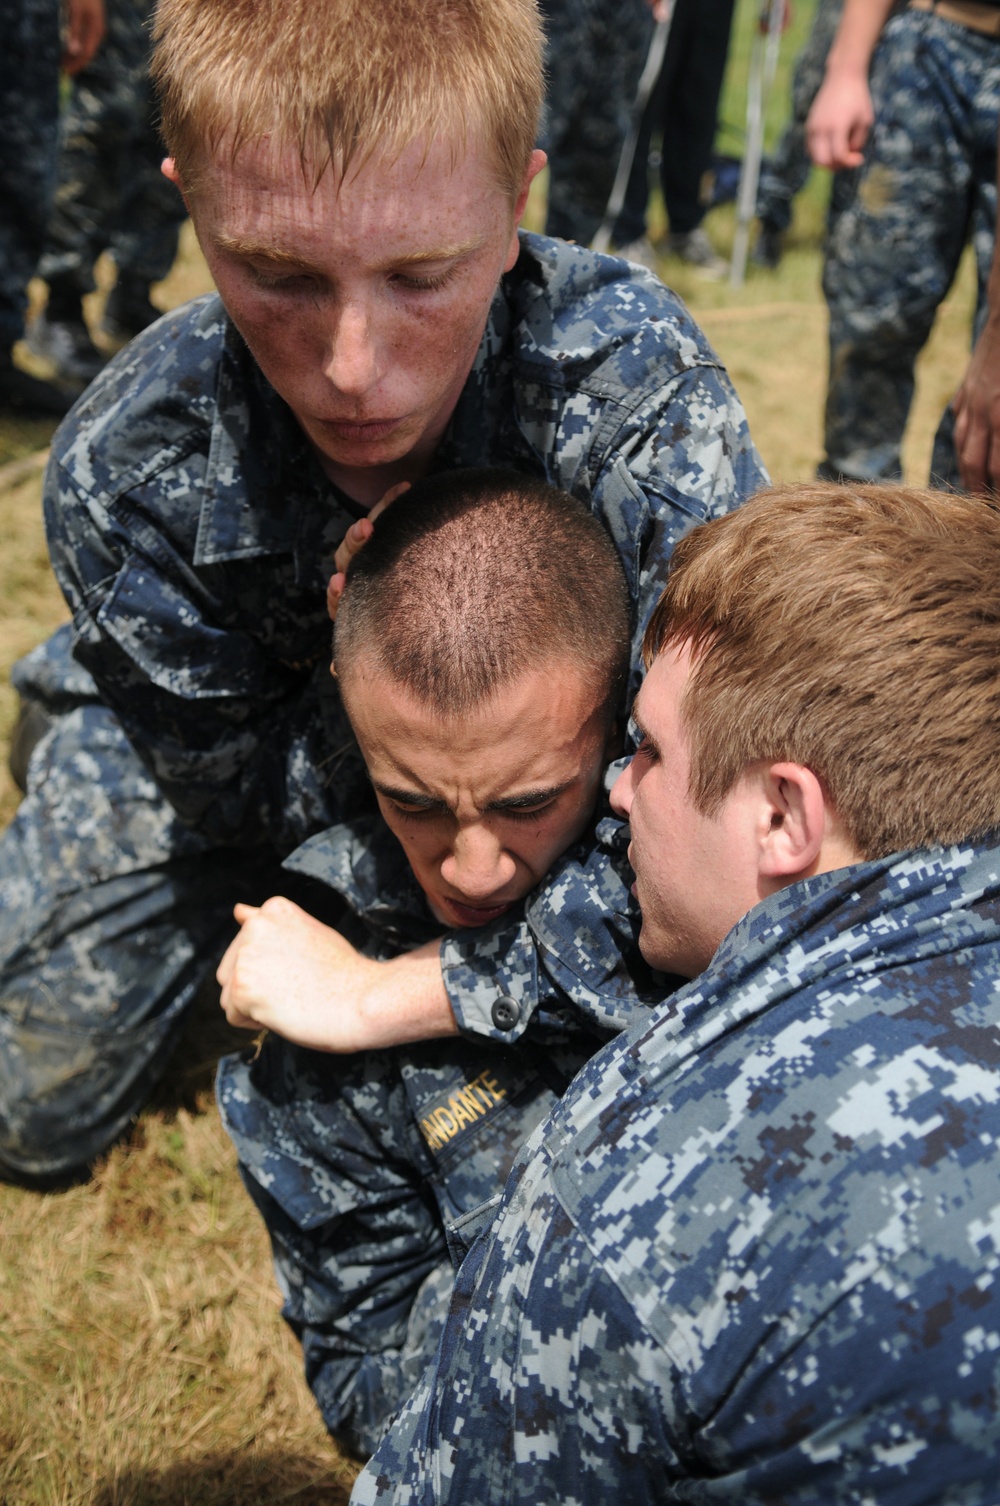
(977, 402)
(842, 114)
(84, 33)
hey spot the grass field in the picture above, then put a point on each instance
(142, 1358)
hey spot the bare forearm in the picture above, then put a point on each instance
(842, 112)
(407, 1000)
(860, 28)
(977, 402)
(288, 972)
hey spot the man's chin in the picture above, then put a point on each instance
(656, 950)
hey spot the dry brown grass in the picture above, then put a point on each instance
(142, 1357)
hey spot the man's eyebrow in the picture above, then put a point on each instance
(437, 253)
(529, 798)
(244, 245)
(524, 801)
(409, 797)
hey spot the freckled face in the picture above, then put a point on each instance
(363, 301)
(483, 803)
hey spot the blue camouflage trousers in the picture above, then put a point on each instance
(110, 192)
(373, 1174)
(29, 110)
(784, 171)
(595, 51)
(927, 186)
(112, 913)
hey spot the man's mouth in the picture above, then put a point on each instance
(472, 915)
(361, 430)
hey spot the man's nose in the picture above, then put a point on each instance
(353, 364)
(621, 792)
(478, 866)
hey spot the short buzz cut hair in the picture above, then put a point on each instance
(855, 630)
(475, 576)
(344, 80)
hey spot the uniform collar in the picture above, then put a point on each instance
(363, 862)
(265, 491)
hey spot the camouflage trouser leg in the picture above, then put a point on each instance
(594, 56)
(928, 182)
(29, 105)
(110, 192)
(111, 913)
(784, 171)
(371, 1173)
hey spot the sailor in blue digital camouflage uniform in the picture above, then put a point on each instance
(110, 196)
(594, 55)
(752, 1255)
(377, 320)
(485, 711)
(923, 139)
(30, 60)
(783, 172)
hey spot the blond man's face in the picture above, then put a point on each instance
(364, 301)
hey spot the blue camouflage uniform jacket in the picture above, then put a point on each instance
(368, 1168)
(752, 1254)
(193, 530)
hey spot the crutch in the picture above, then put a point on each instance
(763, 62)
(650, 72)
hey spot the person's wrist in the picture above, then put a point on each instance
(845, 73)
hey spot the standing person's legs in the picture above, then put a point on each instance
(894, 250)
(690, 113)
(29, 110)
(986, 112)
(150, 209)
(784, 171)
(110, 195)
(595, 54)
(631, 223)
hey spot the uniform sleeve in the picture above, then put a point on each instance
(244, 743)
(572, 955)
(545, 1386)
(678, 458)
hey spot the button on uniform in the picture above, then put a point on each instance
(506, 1012)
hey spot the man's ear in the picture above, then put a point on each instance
(536, 162)
(793, 825)
(168, 167)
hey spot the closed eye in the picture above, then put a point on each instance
(430, 284)
(526, 812)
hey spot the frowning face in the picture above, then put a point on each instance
(483, 802)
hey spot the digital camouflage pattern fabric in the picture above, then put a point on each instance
(594, 55)
(367, 1168)
(29, 95)
(927, 186)
(193, 532)
(111, 194)
(751, 1257)
(784, 171)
